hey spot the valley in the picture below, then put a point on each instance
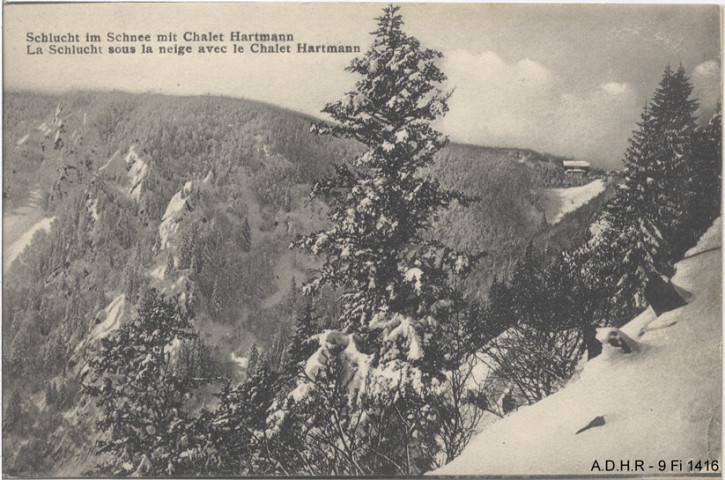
(199, 199)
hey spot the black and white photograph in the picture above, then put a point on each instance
(291, 239)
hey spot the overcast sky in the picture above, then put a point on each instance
(565, 79)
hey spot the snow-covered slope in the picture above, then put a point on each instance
(17, 247)
(22, 140)
(560, 201)
(108, 320)
(114, 315)
(19, 226)
(662, 402)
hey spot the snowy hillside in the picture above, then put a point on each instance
(661, 402)
(560, 201)
(19, 226)
(16, 248)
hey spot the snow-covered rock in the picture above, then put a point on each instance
(613, 338)
(132, 170)
(137, 171)
(114, 315)
(176, 211)
(661, 403)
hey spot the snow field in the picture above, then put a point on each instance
(560, 201)
(116, 313)
(18, 246)
(662, 402)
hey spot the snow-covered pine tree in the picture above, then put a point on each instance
(674, 123)
(216, 304)
(245, 236)
(14, 414)
(234, 432)
(393, 345)
(376, 250)
(705, 204)
(644, 228)
(619, 259)
(139, 392)
(300, 346)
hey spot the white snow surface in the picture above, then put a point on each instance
(660, 402)
(357, 367)
(22, 140)
(18, 246)
(116, 313)
(242, 362)
(560, 201)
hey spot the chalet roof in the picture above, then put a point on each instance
(575, 164)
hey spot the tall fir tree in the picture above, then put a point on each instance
(216, 305)
(499, 314)
(300, 346)
(377, 250)
(644, 229)
(398, 304)
(705, 203)
(245, 236)
(674, 123)
(528, 291)
(233, 434)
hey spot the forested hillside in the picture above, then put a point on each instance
(197, 198)
(218, 287)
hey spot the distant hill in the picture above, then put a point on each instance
(198, 197)
(512, 186)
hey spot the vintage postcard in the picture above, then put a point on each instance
(361, 239)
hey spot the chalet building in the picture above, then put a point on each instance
(576, 168)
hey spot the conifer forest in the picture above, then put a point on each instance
(211, 286)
